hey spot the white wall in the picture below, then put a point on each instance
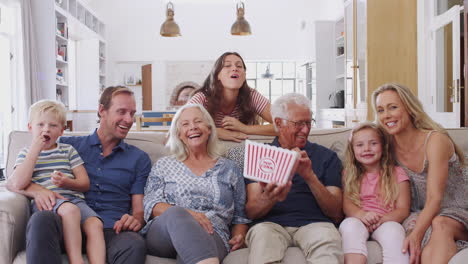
(282, 30)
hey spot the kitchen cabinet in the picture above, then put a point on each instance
(334, 101)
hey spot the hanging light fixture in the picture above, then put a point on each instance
(241, 27)
(170, 28)
(268, 75)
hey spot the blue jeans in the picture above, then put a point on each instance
(44, 242)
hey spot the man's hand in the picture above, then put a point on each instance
(304, 166)
(59, 179)
(45, 199)
(203, 220)
(236, 242)
(274, 192)
(127, 223)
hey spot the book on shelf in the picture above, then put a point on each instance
(62, 28)
(62, 52)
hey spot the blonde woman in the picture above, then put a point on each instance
(194, 200)
(438, 226)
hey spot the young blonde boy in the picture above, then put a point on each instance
(59, 168)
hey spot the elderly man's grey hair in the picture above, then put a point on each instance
(179, 149)
(279, 109)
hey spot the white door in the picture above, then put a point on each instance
(444, 58)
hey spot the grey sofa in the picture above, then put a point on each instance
(14, 208)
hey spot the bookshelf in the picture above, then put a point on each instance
(340, 56)
(61, 53)
(76, 73)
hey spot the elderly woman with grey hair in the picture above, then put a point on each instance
(194, 199)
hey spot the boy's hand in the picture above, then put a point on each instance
(59, 179)
(39, 142)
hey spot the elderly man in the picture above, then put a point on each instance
(302, 212)
(117, 173)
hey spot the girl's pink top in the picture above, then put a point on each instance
(370, 200)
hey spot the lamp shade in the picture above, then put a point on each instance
(241, 27)
(170, 28)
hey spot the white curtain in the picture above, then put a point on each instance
(33, 92)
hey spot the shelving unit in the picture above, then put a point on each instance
(61, 53)
(76, 36)
(331, 77)
(102, 65)
(340, 56)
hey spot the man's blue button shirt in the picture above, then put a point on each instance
(113, 179)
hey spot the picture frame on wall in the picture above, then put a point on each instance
(129, 79)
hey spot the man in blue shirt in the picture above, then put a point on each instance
(117, 173)
(302, 212)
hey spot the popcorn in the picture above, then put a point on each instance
(267, 163)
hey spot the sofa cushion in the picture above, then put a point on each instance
(153, 144)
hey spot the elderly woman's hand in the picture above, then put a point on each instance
(202, 220)
(234, 124)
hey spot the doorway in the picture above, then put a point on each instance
(441, 45)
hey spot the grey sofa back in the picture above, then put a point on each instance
(153, 142)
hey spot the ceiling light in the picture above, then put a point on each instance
(241, 27)
(170, 28)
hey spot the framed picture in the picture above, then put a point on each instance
(130, 79)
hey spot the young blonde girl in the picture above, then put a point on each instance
(376, 197)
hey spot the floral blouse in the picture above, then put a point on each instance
(219, 193)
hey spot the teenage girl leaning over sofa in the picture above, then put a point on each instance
(232, 104)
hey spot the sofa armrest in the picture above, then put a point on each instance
(14, 214)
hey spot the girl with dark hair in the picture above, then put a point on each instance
(233, 105)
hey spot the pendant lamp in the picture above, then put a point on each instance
(170, 28)
(241, 27)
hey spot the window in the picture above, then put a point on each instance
(9, 49)
(282, 78)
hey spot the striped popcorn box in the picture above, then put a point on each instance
(267, 163)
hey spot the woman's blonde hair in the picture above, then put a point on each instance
(354, 171)
(179, 149)
(419, 118)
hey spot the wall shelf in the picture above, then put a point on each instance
(59, 61)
